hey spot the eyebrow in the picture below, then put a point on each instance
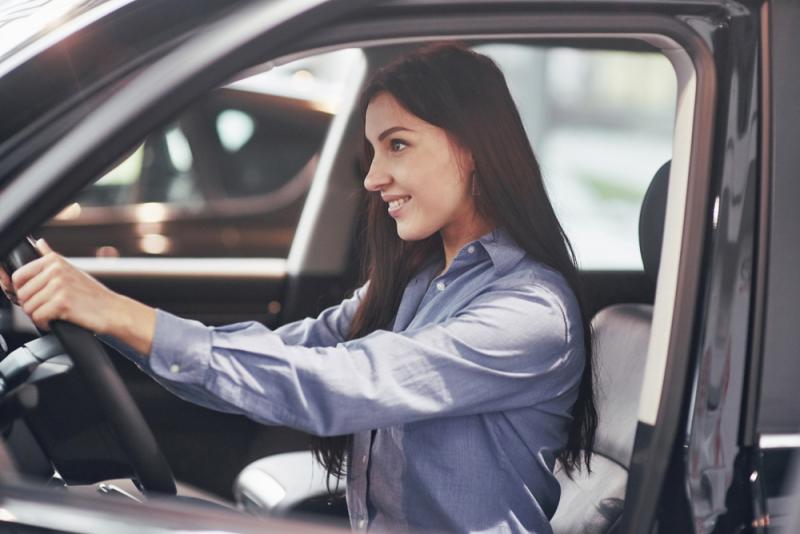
(392, 130)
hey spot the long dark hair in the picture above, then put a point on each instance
(465, 94)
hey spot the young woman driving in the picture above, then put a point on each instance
(450, 383)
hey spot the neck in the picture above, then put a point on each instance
(453, 242)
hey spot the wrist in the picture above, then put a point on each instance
(133, 323)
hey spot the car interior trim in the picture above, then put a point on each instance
(667, 285)
(96, 513)
(183, 268)
(780, 367)
(306, 255)
(779, 441)
(270, 492)
(748, 431)
(680, 275)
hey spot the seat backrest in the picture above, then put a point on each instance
(591, 503)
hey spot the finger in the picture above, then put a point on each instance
(34, 285)
(28, 271)
(43, 247)
(49, 311)
(41, 298)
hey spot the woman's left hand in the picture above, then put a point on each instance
(51, 288)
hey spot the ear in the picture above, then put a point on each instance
(462, 155)
(465, 161)
(470, 161)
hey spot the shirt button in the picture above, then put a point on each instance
(471, 249)
(174, 368)
(440, 286)
(362, 523)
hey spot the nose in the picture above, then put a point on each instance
(377, 178)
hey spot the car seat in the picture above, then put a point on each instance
(591, 503)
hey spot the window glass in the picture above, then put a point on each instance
(600, 123)
(115, 187)
(227, 178)
(231, 173)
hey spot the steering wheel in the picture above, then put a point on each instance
(152, 472)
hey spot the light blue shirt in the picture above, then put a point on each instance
(469, 391)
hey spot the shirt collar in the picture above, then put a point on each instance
(504, 252)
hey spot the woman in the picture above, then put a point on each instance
(450, 383)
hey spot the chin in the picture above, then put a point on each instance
(413, 234)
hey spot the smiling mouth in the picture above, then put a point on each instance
(395, 205)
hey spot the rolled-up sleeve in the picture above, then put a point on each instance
(509, 348)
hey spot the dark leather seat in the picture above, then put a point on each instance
(590, 503)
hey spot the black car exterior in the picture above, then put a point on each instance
(717, 426)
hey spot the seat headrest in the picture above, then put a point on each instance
(651, 221)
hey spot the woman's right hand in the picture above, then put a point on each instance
(50, 288)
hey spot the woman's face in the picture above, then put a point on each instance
(424, 178)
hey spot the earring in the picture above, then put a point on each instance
(475, 191)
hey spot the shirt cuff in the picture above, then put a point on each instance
(125, 350)
(181, 349)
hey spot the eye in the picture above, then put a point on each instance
(396, 145)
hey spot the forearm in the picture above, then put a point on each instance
(133, 323)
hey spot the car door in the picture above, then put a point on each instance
(771, 417)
